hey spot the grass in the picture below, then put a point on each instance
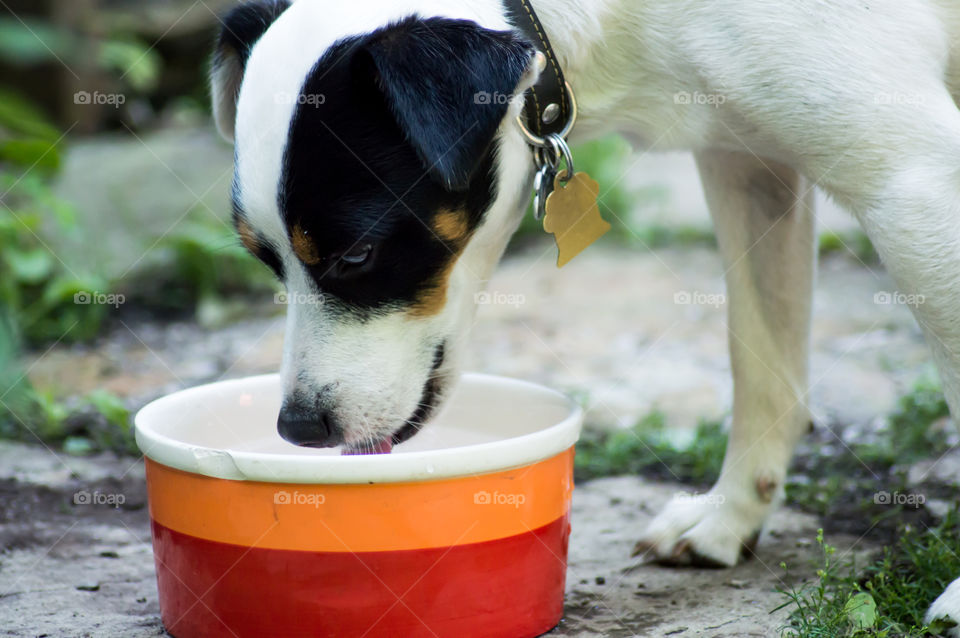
(910, 434)
(885, 598)
(97, 421)
(841, 485)
(852, 243)
(921, 560)
(646, 449)
(888, 598)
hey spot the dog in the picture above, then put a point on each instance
(382, 193)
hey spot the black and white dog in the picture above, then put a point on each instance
(369, 172)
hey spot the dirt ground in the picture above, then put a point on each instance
(71, 569)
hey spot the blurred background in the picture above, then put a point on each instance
(118, 262)
(121, 280)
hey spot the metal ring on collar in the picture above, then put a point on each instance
(541, 142)
(556, 148)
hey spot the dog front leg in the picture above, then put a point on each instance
(765, 229)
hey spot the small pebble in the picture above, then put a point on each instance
(95, 587)
(600, 580)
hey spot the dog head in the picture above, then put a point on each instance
(376, 178)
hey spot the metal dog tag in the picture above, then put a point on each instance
(572, 215)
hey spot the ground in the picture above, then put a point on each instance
(87, 570)
(73, 569)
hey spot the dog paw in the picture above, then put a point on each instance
(946, 609)
(703, 530)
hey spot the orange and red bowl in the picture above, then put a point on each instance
(460, 532)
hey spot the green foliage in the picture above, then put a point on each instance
(37, 287)
(854, 244)
(110, 426)
(911, 435)
(887, 599)
(27, 41)
(134, 61)
(647, 448)
(100, 421)
(194, 267)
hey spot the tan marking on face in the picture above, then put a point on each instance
(451, 225)
(248, 237)
(304, 247)
(434, 298)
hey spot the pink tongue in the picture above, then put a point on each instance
(381, 447)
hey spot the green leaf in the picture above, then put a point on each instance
(111, 407)
(20, 116)
(940, 626)
(29, 266)
(77, 445)
(31, 41)
(861, 609)
(31, 153)
(136, 62)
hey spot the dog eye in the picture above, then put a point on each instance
(358, 255)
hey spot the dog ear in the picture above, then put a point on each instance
(449, 84)
(242, 27)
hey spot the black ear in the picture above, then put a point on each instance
(448, 84)
(242, 27)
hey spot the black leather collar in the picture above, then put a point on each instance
(548, 107)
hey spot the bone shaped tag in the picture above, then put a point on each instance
(572, 215)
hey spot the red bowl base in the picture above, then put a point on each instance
(506, 588)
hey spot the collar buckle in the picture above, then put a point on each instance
(539, 141)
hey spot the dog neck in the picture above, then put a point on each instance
(625, 60)
(597, 52)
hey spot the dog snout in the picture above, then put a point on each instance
(309, 425)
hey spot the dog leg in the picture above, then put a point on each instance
(765, 230)
(911, 211)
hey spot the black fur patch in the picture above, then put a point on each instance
(244, 25)
(428, 400)
(392, 116)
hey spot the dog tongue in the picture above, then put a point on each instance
(381, 447)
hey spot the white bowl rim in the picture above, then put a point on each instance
(463, 461)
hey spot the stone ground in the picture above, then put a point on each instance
(608, 328)
(87, 570)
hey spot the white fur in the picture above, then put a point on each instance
(946, 606)
(857, 97)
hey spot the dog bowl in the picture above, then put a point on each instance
(460, 532)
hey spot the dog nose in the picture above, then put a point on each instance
(309, 427)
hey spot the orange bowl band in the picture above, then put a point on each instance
(362, 518)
